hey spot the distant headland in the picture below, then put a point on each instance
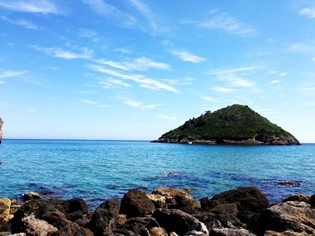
(236, 124)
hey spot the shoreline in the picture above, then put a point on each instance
(164, 211)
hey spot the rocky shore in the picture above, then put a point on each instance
(165, 211)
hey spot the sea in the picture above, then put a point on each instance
(97, 170)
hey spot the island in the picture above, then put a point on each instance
(235, 124)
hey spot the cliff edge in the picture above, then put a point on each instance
(236, 124)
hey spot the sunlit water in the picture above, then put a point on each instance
(98, 170)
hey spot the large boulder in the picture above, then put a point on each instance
(104, 218)
(296, 216)
(135, 203)
(175, 220)
(172, 198)
(249, 201)
(61, 214)
(35, 227)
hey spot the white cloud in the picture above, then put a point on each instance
(225, 22)
(302, 47)
(84, 53)
(31, 110)
(139, 79)
(11, 74)
(310, 12)
(105, 9)
(209, 99)
(31, 6)
(140, 105)
(110, 82)
(167, 117)
(235, 70)
(140, 64)
(187, 56)
(89, 102)
(275, 81)
(283, 74)
(20, 22)
(223, 89)
(309, 89)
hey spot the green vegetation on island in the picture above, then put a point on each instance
(236, 124)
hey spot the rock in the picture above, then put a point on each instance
(249, 201)
(296, 216)
(284, 233)
(296, 197)
(158, 231)
(31, 195)
(174, 220)
(135, 203)
(59, 213)
(121, 219)
(198, 228)
(19, 234)
(312, 200)
(174, 198)
(35, 227)
(104, 218)
(231, 232)
(159, 201)
(5, 206)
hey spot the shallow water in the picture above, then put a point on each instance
(98, 170)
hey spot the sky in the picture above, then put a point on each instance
(135, 69)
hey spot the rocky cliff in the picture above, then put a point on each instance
(1, 122)
(236, 124)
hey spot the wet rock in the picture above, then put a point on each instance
(249, 201)
(174, 220)
(104, 218)
(296, 197)
(174, 198)
(294, 216)
(135, 203)
(31, 196)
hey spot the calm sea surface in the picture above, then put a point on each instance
(98, 170)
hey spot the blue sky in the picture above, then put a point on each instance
(134, 69)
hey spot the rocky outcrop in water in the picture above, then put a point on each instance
(236, 124)
(167, 211)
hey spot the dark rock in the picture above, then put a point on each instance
(174, 220)
(296, 197)
(231, 232)
(249, 201)
(295, 216)
(135, 203)
(312, 200)
(104, 218)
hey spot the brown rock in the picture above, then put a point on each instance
(296, 216)
(284, 233)
(231, 232)
(5, 205)
(31, 195)
(35, 227)
(175, 198)
(296, 197)
(135, 203)
(158, 231)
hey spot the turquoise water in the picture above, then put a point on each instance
(98, 170)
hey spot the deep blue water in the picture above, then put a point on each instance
(98, 170)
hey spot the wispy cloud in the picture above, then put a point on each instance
(110, 83)
(235, 77)
(223, 89)
(302, 47)
(308, 89)
(140, 105)
(167, 117)
(31, 6)
(11, 74)
(140, 64)
(93, 103)
(187, 56)
(31, 110)
(310, 12)
(83, 53)
(209, 99)
(107, 10)
(141, 80)
(275, 81)
(225, 22)
(87, 101)
(20, 22)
